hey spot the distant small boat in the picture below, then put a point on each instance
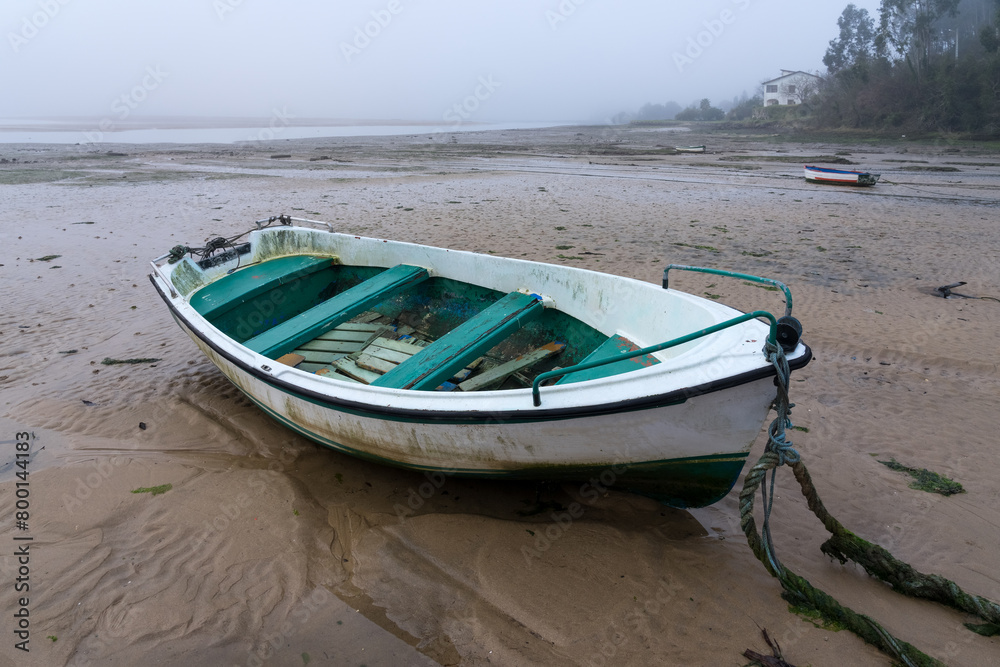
(839, 176)
(690, 149)
(446, 361)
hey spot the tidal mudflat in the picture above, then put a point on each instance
(267, 549)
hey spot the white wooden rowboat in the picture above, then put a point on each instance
(475, 365)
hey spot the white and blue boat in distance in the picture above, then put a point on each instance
(482, 366)
(815, 174)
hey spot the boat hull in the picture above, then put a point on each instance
(685, 453)
(839, 176)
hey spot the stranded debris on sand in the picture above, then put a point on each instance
(154, 490)
(925, 480)
(108, 361)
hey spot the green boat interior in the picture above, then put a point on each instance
(397, 327)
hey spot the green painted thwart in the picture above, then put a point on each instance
(286, 300)
(247, 283)
(438, 305)
(263, 295)
(433, 365)
(612, 347)
(542, 377)
(336, 310)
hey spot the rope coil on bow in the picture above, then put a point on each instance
(178, 252)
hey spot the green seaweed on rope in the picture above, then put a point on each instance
(843, 545)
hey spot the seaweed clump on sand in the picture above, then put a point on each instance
(108, 361)
(154, 490)
(925, 480)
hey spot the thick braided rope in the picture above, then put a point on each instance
(797, 589)
(800, 592)
(879, 563)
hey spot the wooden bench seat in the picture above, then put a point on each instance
(336, 310)
(612, 347)
(499, 373)
(337, 343)
(438, 362)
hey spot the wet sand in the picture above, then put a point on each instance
(268, 549)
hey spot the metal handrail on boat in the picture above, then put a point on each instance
(260, 223)
(733, 274)
(158, 271)
(313, 222)
(772, 338)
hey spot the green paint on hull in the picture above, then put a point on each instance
(187, 277)
(683, 482)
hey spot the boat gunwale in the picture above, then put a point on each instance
(716, 312)
(528, 414)
(831, 170)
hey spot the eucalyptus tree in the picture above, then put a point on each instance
(856, 43)
(907, 29)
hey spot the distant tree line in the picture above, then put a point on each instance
(704, 111)
(920, 65)
(740, 109)
(924, 65)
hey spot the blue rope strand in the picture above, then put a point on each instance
(777, 443)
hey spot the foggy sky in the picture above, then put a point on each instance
(498, 60)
